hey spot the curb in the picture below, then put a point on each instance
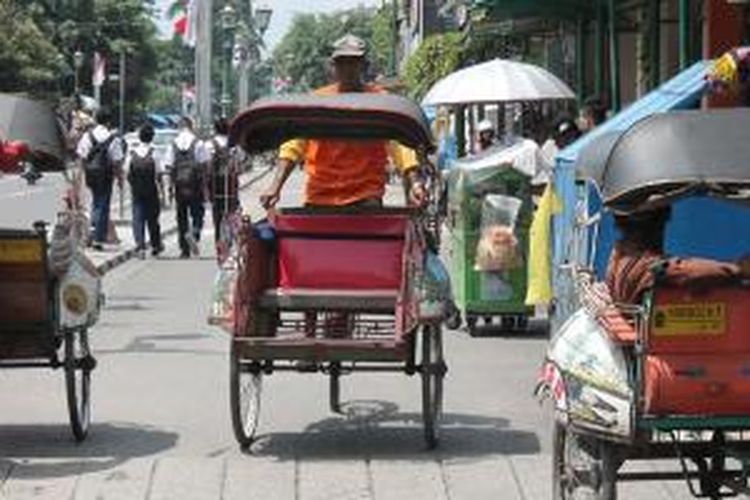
(125, 255)
(120, 258)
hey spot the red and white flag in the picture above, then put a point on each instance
(99, 70)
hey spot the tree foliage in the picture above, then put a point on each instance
(304, 52)
(175, 67)
(437, 57)
(29, 61)
(383, 51)
(40, 37)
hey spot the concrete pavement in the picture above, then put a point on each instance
(161, 425)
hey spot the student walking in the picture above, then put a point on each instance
(144, 177)
(186, 161)
(101, 152)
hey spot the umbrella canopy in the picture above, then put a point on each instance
(498, 80)
(35, 124)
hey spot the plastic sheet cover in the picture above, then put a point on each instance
(497, 249)
(473, 176)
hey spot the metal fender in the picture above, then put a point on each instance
(79, 294)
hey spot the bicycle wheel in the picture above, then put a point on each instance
(244, 398)
(432, 371)
(334, 388)
(583, 467)
(78, 365)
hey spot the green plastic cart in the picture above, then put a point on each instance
(489, 196)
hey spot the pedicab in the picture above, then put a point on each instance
(488, 256)
(666, 378)
(308, 270)
(489, 213)
(50, 292)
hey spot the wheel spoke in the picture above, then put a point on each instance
(245, 388)
(432, 366)
(77, 380)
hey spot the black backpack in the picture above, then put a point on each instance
(220, 171)
(97, 166)
(188, 179)
(142, 175)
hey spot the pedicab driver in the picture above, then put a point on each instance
(345, 173)
(639, 255)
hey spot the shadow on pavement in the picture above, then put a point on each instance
(43, 451)
(376, 429)
(134, 298)
(177, 258)
(164, 344)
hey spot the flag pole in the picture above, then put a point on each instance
(203, 64)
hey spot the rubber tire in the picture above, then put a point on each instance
(508, 323)
(454, 320)
(432, 373)
(77, 382)
(471, 324)
(243, 425)
(334, 390)
(607, 488)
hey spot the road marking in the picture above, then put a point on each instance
(253, 478)
(333, 479)
(187, 478)
(126, 481)
(25, 193)
(33, 480)
(395, 479)
(485, 477)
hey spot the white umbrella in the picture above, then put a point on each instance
(498, 80)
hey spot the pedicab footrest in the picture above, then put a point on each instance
(383, 301)
(322, 349)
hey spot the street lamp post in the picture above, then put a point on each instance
(228, 25)
(77, 64)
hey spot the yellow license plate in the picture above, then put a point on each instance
(703, 318)
(19, 251)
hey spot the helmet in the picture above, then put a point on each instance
(485, 126)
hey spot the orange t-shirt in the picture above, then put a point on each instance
(342, 172)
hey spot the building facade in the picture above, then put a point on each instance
(614, 50)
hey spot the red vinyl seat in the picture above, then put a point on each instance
(333, 251)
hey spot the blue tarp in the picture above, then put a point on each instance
(684, 91)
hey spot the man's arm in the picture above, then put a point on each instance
(203, 157)
(290, 153)
(406, 161)
(116, 152)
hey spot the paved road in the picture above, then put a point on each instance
(162, 430)
(21, 204)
